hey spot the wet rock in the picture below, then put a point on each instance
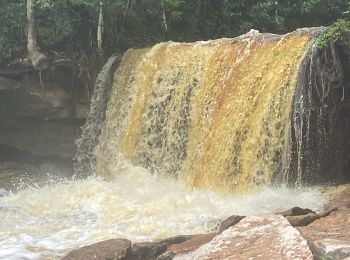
(296, 211)
(147, 250)
(304, 220)
(229, 222)
(265, 237)
(191, 244)
(177, 239)
(111, 249)
(329, 236)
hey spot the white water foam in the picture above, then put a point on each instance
(47, 222)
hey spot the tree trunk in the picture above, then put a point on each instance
(165, 23)
(100, 31)
(39, 60)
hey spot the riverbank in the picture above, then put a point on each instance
(293, 234)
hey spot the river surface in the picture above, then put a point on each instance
(46, 219)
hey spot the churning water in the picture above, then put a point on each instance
(46, 222)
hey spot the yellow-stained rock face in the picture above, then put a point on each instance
(216, 113)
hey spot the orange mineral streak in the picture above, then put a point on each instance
(144, 84)
(214, 113)
(247, 133)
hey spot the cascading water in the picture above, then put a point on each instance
(226, 115)
(216, 114)
(85, 158)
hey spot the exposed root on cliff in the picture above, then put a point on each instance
(317, 148)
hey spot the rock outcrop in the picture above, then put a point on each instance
(329, 236)
(40, 113)
(191, 244)
(110, 249)
(265, 237)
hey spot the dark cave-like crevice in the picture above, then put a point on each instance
(320, 121)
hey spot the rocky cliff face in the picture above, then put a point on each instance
(40, 114)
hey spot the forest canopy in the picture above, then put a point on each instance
(71, 25)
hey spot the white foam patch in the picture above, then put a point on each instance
(49, 221)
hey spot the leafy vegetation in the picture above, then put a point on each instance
(71, 25)
(339, 31)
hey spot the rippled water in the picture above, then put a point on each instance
(48, 221)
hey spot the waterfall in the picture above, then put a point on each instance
(175, 131)
(226, 115)
(85, 158)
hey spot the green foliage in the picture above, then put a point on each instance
(339, 31)
(70, 25)
(175, 3)
(12, 25)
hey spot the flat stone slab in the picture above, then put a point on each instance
(329, 236)
(269, 237)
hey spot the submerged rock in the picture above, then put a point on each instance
(267, 237)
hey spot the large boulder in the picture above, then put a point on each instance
(265, 237)
(329, 237)
(113, 249)
(191, 244)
